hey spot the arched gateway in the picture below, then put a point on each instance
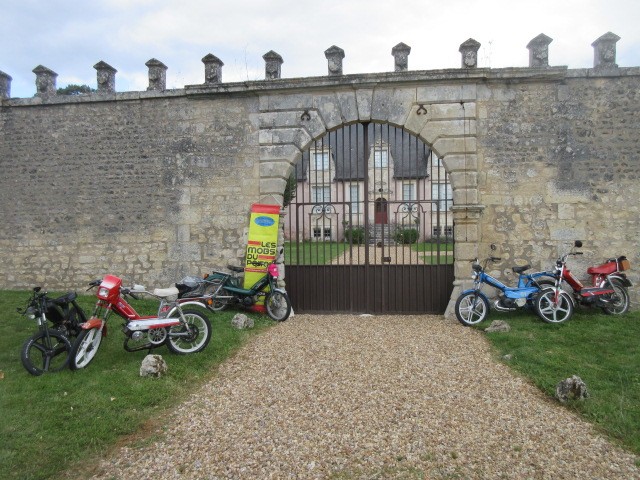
(385, 199)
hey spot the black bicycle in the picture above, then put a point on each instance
(49, 349)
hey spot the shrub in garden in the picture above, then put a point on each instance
(406, 235)
(354, 235)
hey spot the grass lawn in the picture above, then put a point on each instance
(50, 422)
(322, 253)
(601, 349)
(432, 247)
(312, 253)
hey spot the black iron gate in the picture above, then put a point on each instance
(369, 228)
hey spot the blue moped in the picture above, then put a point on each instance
(472, 306)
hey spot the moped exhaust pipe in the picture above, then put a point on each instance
(501, 308)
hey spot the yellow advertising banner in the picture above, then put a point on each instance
(262, 244)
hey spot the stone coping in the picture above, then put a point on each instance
(384, 79)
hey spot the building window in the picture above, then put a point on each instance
(443, 193)
(408, 191)
(321, 194)
(448, 231)
(354, 194)
(322, 233)
(320, 160)
(380, 158)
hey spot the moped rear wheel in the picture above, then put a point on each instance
(85, 348)
(553, 306)
(43, 353)
(278, 306)
(471, 308)
(619, 302)
(183, 340)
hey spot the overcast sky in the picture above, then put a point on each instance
(70, 36)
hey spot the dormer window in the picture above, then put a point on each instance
(320, 160)
(380, 158)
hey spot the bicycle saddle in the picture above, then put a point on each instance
(233, 268)
(522, 269)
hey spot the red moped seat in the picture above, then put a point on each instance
(604, 269)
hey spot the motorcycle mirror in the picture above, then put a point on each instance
(578, 243)
(37, 289)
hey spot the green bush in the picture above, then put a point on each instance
(354, 235)
(406, 235)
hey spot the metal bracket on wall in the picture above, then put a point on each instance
(305, 116)
(421, 110)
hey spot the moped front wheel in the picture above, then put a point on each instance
(190, 338)
(45, 352)
(85, 348)
(471, 308)
(278, 306)
(619, 300)
(553, 305)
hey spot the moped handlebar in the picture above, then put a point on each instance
(127, 291)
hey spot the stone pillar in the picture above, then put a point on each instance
(5, 85)
(45, 81)
(157, 75)
(605, 51)
(212, 69)
(469, 51)
(106, 77)
(334, 57)
(539, 51)
(272, 66)
(401, 55)
(466, 220)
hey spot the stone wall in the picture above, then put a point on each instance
(559, 161)
(156, 185)
(149, 188)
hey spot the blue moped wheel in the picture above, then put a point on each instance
(471, 308)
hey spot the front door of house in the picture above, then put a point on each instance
(381, 217)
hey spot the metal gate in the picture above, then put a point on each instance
(369, 227)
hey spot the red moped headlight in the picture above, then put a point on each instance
(103, 293)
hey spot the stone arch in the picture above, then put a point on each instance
(442, 116)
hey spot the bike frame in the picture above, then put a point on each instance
(110, 300)
(255, 289)
(523, 290)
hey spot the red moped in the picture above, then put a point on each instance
(609, 284)
(182, 330)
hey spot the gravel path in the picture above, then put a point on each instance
(350, 397)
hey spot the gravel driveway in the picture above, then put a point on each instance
(349, 397)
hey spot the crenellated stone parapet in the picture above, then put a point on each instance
(45, 81)
(539, 51)
(401, 57)
(604, 51)
(469, 51)
(334, 57)
(5, 85)
(272, 65)
(212, 69)
(106, 77)
(604, 64)
(157, 75)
